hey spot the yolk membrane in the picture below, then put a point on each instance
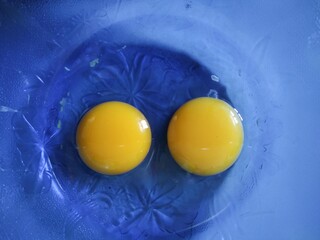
(205, 136)
(113, 138)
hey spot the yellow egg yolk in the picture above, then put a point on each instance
(205, 136)
(113, 138)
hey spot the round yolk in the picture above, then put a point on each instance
(205, 136)
(113, 138)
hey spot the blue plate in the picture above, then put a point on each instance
(61, 58)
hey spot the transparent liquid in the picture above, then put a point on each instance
(155, 73)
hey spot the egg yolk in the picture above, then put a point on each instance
(205, 136)
(113, 138)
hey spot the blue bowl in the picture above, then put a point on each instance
(61, 58)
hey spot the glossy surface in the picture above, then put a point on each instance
(113, 138)
(205, 136)
(61, 58)
(155, 80)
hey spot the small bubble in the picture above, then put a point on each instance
(213, 93)
(94, 62)
(215, 78)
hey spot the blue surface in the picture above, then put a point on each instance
(59, 59)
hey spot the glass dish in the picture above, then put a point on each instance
(61, 58)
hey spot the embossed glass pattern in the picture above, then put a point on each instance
(60, 58)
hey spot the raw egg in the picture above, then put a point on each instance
(113, 138)
(205, 136)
